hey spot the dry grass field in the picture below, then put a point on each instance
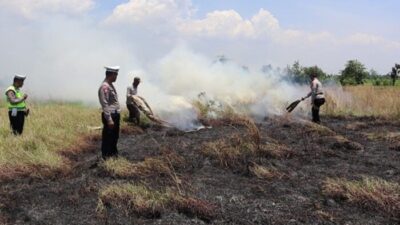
(364, 101)
(282, 170)
(51, 131)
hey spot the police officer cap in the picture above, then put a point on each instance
(113, 69)
(19, 77)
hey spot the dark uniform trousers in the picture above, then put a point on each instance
(315, 109)
(134, 113)
(110, 136)
(17, 122)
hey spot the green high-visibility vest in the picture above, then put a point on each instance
(18, 94)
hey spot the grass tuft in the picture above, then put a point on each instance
(145, 202)
(263, 172)
(133, 198)
(274, 150)
(119, 167)
(194, 207)
(370, 193)
(153, 166)
(340, 142)
(236, 150)
(226, 154)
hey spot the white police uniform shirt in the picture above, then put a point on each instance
(108, 98)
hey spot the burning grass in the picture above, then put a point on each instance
(370, 193)
(209, 109)
(145, 202)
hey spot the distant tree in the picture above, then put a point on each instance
(300, 74)
(245, 68)
(296, 68)
(373, 74)
(374, 78)
(221, 59)
(315, 70)
(395, 73)
(353, 73)
(266, 68)
(296, 73)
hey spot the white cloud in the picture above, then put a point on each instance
(230, 23)
(265, 21)
(144, 11)
(34, 8)
(360, 38)
(251, 41)
(368, 39)
(218, 23)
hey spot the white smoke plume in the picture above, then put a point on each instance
(174, 81)
(62, 50)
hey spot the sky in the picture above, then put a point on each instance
(62, 45)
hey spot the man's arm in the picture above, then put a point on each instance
(307, 96)
(103, 97)
(13, 99)
(129, 92)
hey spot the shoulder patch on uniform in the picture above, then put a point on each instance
(105, 88)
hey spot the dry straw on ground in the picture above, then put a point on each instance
(264, 172)
(370, 193)
(363, 101)
(51, 130)
(133, 198)
(162, 165)
(145, 202)
(237, 150)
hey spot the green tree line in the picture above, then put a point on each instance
(354, 73)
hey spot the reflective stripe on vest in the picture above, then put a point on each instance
(19, 95)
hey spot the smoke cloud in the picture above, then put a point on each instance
(62, 50)
(63, 59)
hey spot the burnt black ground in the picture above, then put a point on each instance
(241, 198)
